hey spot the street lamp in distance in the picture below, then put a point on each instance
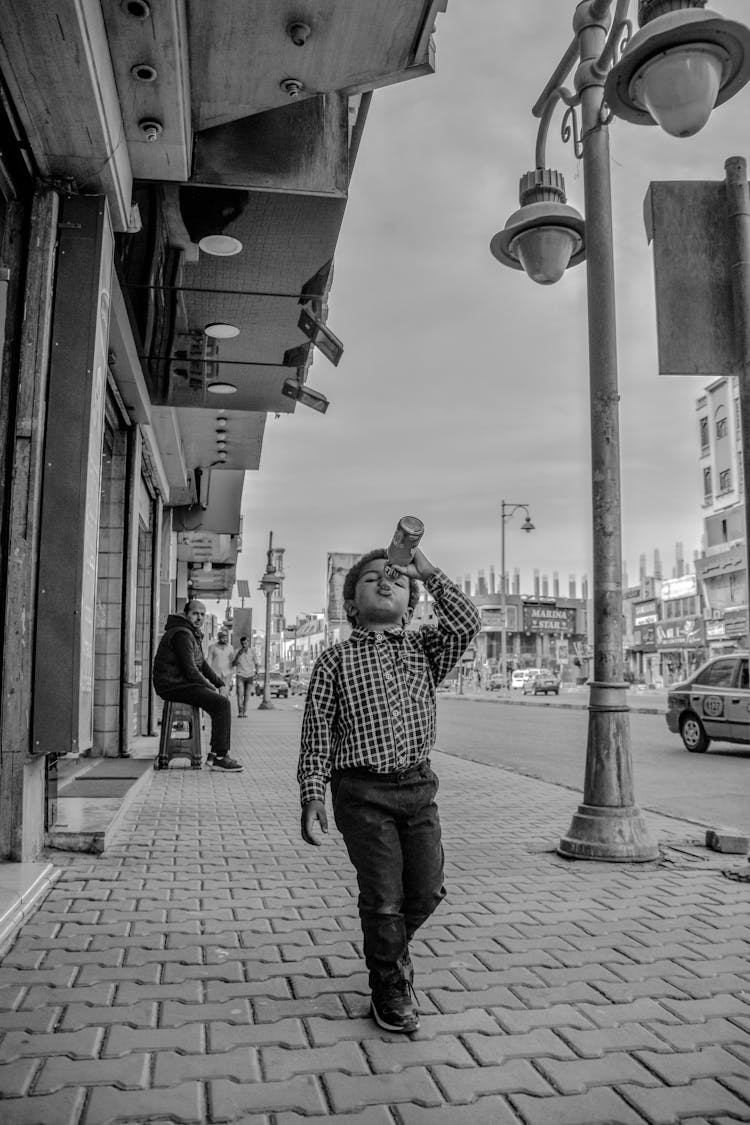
(507, 508)
(269, 583)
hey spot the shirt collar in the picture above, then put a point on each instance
(371, 636)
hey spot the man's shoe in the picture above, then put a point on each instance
(227, 764)
(392, 1006)
(210, 760)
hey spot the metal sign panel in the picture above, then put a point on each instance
(688, 224)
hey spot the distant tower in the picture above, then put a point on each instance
(545, 586)
(642, 572)
(516, 581)
(571, 585)
(492, 580)
(658, 572)
(536, 583)
(555, 584)
(467, 584)
(481, 583)
(585, 588)
(680, 559)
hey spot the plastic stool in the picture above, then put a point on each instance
(180, 735)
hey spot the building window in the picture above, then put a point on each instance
(725, 480)
(703, 423)
(707, 489)
(721, 427)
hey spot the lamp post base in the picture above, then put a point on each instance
(618, 835)
(266, 705)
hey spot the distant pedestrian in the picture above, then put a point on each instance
(369, 727)
(244, 671)
(182, 674)
(220, 656)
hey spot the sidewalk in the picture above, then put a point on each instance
(207, 968)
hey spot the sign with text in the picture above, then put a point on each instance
(548, 619)
(682, 632)
(645, 613)
(684, 587)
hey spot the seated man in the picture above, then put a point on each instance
(182, 674)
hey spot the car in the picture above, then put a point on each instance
(520, 676)
(277, 685)
(542, 683)
(497, 681)
(713, 703)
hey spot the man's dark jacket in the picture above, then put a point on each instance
(179, 659)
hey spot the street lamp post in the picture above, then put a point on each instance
(269, 582)
(672, 72)
(506, 511)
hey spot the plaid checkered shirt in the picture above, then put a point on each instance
(371, 699)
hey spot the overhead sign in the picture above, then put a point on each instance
(688, 223)
(684, 587)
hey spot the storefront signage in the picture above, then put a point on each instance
(645, 613)
(682, 632)
(548, 619)
(492, 618)
(644, 637)
(735, 622)
(715, 630)
(684, 587)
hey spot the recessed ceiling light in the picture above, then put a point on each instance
(221, 445)
(221, 456)
(221, 331)
(221, 426)
(222, 388)
(222, 245)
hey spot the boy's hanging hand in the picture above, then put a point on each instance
(314, 812)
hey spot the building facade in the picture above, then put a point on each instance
(169, 217)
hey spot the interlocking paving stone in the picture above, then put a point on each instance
(57, 1072)
(183, 1103)
(15, 1077)
(241, 1065)
(302, 1094)
(62, 1108)
(663, 1106)
(593, 1108)
(484, 1111)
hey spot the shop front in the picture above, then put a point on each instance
(681, 645)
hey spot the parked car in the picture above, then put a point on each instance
(542, 683)
(497, 681)
(277, 685)
(714, 703)
(520, 676)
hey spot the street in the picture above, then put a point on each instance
(549, 742)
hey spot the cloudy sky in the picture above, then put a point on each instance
(462, 382)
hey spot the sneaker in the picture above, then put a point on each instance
(392, 1006)
(210, 760)
(227, 764)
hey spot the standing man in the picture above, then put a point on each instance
(182, 674)
(244, 668)
(220, 656)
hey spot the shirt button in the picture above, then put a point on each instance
(396, 711)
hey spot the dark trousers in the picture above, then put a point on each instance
(214, 704)
(391, 829)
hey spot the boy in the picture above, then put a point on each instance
(369, 726)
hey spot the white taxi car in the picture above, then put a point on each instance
(713, 704)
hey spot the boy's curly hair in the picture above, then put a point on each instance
(354, 572)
